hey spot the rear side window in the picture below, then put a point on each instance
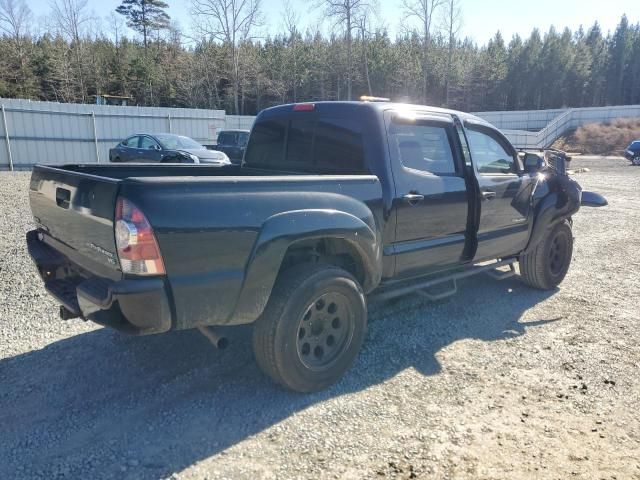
(243, 138)
(322, 145)
(423, 146)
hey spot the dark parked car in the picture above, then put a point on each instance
(632, 153)
(233, 143)
(164, 148)
(334, 203)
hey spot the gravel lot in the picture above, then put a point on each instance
(499, 381)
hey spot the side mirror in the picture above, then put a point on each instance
(157, 147)
(533, 162)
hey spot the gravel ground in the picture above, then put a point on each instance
(499, 381)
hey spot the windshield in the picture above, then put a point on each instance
(176, 142)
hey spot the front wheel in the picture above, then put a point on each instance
(312, 328)
(546, 266)
(636, 161)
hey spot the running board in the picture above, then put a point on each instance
(434, 297)
(501, 274)
(406, 287)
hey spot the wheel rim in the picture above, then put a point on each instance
(558, 254)
(325, 331)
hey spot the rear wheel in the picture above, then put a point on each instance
(546, 266)
(636, 161)
(312, 328)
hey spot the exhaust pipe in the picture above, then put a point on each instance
(66, 314)
(219, 341)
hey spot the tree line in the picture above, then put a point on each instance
(221, 63)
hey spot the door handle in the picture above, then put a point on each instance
(413, 198)
(63, 197)
(488, 195)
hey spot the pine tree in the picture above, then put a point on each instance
(144, 16)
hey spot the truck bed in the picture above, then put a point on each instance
(211, 224)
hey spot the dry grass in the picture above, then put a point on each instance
(610, 138)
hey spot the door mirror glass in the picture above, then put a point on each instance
(533, 162)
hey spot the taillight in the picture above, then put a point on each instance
(137, 246)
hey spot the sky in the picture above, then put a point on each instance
(481, 19)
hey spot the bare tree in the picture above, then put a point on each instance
(15, 19)
(71, 18)
(291, 19)
(116, 27)
(364, 36)
(347, 13)
(423, 11)
(231, 22)
(452, 23)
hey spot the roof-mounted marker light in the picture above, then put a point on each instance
(367, 98)
(304, 107)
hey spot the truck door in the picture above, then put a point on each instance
(503, 223)
(431, 198)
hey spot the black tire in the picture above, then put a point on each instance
(547, 265)
(636, 161)
(320, 306)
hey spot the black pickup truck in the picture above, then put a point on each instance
(335, 202)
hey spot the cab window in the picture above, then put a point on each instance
(422, 146)
(489, 155)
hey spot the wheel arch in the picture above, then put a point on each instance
(324, 236)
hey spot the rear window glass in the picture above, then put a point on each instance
(299, 143)
(226, 138)
(338, 146)
(266, 147)
(325, 145)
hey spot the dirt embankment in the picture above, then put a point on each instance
(610, 138)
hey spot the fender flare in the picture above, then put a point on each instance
(561, 203)
(281, 231)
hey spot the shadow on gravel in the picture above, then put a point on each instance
(102, 404)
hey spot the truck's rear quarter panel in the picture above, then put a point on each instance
(207, 229)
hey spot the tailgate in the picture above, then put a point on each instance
(76, 211)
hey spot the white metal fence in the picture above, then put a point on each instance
(56, 133)
(520, 127)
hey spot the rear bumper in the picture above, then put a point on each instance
(137, 306)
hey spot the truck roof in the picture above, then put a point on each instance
(377, 106)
